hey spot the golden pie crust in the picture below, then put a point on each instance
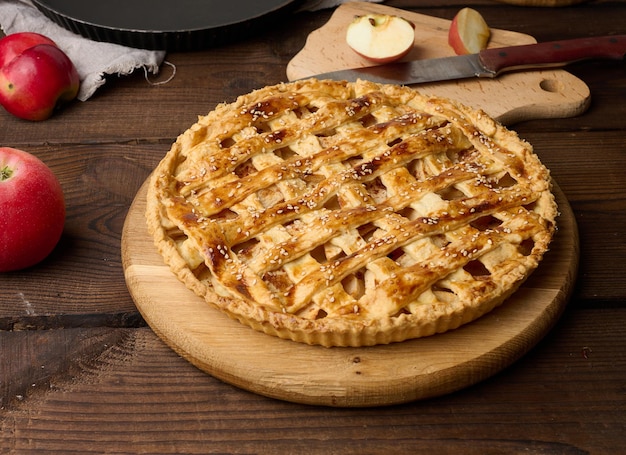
(350, 214)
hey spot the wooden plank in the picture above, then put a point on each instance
(132, 394)
(34, 361)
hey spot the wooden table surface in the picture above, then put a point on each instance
(81, 372)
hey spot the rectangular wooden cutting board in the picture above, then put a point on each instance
(511, 98)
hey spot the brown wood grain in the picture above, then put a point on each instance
(82, 374)
(137, 396)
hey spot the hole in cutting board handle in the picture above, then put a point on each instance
(551, 85)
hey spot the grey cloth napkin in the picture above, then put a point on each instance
(94, 60)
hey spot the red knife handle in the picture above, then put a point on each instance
(554, 53)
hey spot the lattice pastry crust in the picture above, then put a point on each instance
(350, 214)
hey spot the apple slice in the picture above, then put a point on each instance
(469, 33)
(380, 38)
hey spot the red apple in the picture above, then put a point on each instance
(32, 210)
(14, 44)
(381, 38)
(37, 80)
(468, 33)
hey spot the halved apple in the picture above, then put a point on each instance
(380, 38)
(469, 33)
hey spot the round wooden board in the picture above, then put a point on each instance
(372, 376)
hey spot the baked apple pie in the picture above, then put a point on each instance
(350, 214)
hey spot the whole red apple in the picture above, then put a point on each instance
(14, 44)
(32, 210)
(36, 81)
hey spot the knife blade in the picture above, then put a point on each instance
(488, 63)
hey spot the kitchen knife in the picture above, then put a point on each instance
(488, 63)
